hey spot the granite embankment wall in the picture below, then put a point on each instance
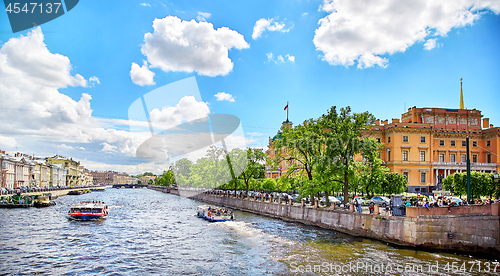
(478, 232)
(469, 233)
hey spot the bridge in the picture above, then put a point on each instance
(130, 186)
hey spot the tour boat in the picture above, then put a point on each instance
(212, 213)
(88, 210)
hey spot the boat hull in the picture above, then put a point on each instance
(86, 217)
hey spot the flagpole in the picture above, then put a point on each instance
(287, 112)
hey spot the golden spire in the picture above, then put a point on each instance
(461, 95)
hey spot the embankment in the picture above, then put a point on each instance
(467, 232)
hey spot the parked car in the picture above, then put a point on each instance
(332, 199)
(363, 201)
(456, 199)
(380, 201)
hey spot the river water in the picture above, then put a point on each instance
(149, 232)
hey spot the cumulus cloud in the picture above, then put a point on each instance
(108, 148)
(364, 31)
(223, 96)
(280, 58)
(186, 110)
(203, 16)
(268, 24)
(141, 75)
(188, 46)
(35, 114)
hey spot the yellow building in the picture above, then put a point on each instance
(75, 174)
(428, 144)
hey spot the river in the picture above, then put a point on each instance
(149, 232)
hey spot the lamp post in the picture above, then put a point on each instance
(468, 172)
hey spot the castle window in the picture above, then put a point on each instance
(422, 155)
(422, 139)
(405, 139)
(423, 177)
(441, 142)
(441, 157)
(488, 143)
(452, 143)
(405, 155)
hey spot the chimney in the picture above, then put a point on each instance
(386, 122)
(486, 122)
(491, 125)
(377, 122)
(395, 121)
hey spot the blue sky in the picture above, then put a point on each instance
(375, 56)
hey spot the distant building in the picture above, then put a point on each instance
(146, 179)
(74, 172)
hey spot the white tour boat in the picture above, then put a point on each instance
(88, 210)
(213, 213)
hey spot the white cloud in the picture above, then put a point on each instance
(280, 58)
(94, 79)
(108, 148)
(35, 115)
(223, 96)
(430, 44)
(188, 46)
(145, 4)
(363, 31)
(141, 75)
(186, 110)
(268, 24)
(269, 56)
(304, 14)
(203, 16)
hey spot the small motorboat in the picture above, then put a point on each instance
(213, 213)
(88, 210)
(43, 201)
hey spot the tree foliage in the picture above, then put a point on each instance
(482, 184)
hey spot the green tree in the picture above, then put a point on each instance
(342, 135)
(166, 179)
(182, 167)
(371, 172)
(269, 184)
(250, 167)
(393, 183)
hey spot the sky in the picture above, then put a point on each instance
(71, 85)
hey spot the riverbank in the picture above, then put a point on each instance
(477, 233)
(61, 192)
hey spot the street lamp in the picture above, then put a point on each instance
(495, 176)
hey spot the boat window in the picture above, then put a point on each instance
(96, 210)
